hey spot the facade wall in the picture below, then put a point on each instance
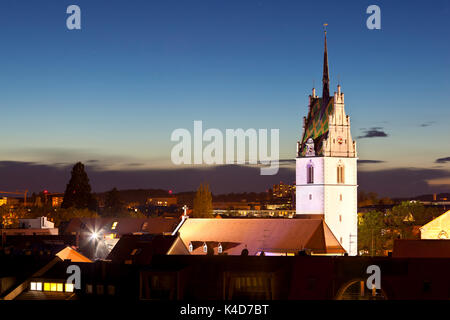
(310, 197)
(341, 202)
(336, 201)
(439, 228)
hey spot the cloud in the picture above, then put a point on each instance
(370, 161)
(443, 160)
(427, 124)
(399, 182)
(222, 179)
(403, 182)
(375, 132)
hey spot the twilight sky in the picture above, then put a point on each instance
(111, 94)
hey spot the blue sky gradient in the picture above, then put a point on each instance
(115, 90)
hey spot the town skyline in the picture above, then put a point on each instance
(109, 95)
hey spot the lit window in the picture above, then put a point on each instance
(46, 286)
(205, 247)
(89, 288)
(69, 287)
(219, 248)
(52, 286)
(59, 287)
(144, 226)
(33, 286)
(38, 286)
(114, 225)
(191, 247)
(310, 173)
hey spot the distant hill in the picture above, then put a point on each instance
(428, 197)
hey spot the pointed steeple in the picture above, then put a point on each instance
(326, 76)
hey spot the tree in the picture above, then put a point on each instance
(113, 203)
(203, 202)
(371, 232)
(78, 191)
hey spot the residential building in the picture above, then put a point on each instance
(438, 228)
(162, 201)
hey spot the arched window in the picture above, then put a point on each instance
(191, 247)
(340, 173)
(205, 247)
(219, 248)
(309, 173)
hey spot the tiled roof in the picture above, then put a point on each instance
(157, 225)
(256, 235)
(70, 254)
(140, 248)
(317, 124)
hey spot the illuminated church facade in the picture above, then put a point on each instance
(326, 165)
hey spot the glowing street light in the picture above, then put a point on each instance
(94, 236)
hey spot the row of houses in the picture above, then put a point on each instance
(169, 258)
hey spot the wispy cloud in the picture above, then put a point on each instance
(375, 132)
(370, 161)
(443, 160)
(427, 124)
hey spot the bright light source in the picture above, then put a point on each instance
(94, 236)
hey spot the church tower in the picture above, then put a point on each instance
(326, 185)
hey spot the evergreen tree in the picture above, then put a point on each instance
(78, 191)
(203, 202)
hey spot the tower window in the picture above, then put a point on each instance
(340, 173)
(340, 218)
(341, 240)
(310, 173)
(340, 197)
(310, 197)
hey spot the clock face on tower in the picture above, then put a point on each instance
(340, 140)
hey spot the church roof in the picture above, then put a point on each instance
(316, 126)
(256, 235)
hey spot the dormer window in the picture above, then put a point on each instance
(205, 247)
(191, 247)
(219, 248)
(144, 226)
(114, 225)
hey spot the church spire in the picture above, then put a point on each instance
(326, 77)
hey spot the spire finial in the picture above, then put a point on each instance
(326, 78)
